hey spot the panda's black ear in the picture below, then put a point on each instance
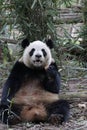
(49, 43)
(25, 43)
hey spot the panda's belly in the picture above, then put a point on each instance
(33, 93)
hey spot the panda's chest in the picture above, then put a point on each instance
(32, 88)
(34, 77)
(32, 92)
(31, 83)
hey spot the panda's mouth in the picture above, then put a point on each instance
(37, 61)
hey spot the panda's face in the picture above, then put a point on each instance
(37, 54)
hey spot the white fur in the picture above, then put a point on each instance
(31, 61)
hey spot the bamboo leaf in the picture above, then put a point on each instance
(76, 46)
(40, 4)
(34, 2)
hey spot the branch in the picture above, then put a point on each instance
(74, 95)
(9, 40)
(68, 18)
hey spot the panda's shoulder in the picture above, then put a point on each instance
(19, 67)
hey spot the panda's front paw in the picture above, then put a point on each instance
(55, 119)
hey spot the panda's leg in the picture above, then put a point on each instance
(11, 115)
(58, 112)
(20, 113)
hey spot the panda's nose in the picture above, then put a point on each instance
(38, 56)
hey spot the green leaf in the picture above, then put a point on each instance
(40, 4)
(34, 2)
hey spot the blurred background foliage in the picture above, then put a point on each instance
(37, 19)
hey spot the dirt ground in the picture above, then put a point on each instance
(78, 107)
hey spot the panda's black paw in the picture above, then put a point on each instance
(13, 119)
(7, 116)
(55, 119)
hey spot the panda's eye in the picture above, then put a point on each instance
(44, 52)
(31, 52)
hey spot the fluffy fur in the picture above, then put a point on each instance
(33, 93)
(38, 47)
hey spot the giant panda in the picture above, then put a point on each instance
(30, 94)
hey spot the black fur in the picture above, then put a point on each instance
(31, 52)
(54, 79)
(44, 52)
(25, 43)
(48, 42)
(48, 79)
(59, 109)
(18, 76)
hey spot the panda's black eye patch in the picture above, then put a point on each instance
(31, 52)
(44, 52)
